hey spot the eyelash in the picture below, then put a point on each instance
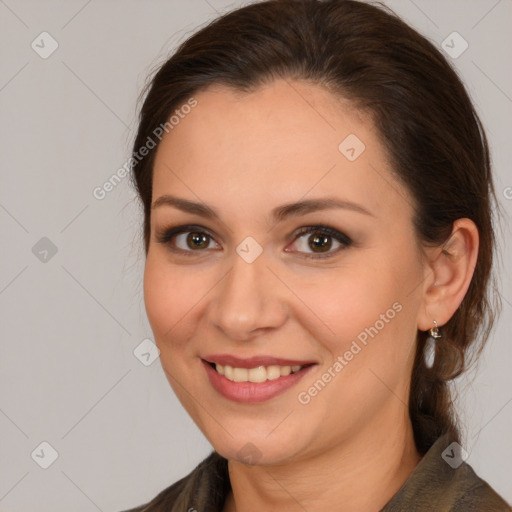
(166, 236)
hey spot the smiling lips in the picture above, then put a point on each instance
(255, 379)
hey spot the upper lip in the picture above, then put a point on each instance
(253, 362)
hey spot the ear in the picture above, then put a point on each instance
(447, 274)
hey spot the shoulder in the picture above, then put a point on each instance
(164, 499)
(206, 485)
(443, 482)
(471, 493)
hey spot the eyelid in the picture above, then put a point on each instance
(165, 235)
(333, 232)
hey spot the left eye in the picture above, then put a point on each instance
(320, 240)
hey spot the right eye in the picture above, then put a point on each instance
(186, 239)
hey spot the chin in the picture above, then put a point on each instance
(258, 450)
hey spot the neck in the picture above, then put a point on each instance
(361, 474)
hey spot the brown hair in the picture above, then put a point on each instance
(432, 134)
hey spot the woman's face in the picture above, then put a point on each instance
(246, 286)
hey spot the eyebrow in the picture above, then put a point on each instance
(278, 214)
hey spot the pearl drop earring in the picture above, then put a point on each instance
(430, 346)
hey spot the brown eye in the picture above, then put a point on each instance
(196, 240)
(186, 239)
(317, 242)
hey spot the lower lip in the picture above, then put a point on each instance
(252, 392)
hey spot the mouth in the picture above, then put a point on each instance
(256, 379)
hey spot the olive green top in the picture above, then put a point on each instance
(441, 482)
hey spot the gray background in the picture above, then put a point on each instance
(71, 321)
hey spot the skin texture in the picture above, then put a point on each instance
(245, 154)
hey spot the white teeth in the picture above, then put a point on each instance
(274, 372)
(285, 370)
(240, 374)
(228, 372)
(258, 374)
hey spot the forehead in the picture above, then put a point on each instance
(279, 143)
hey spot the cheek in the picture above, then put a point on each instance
(363, 310)
(167, 301)
(350, 299)
(371, 350)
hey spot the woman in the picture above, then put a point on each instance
(319, 240)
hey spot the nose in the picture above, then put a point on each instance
(249, 301)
